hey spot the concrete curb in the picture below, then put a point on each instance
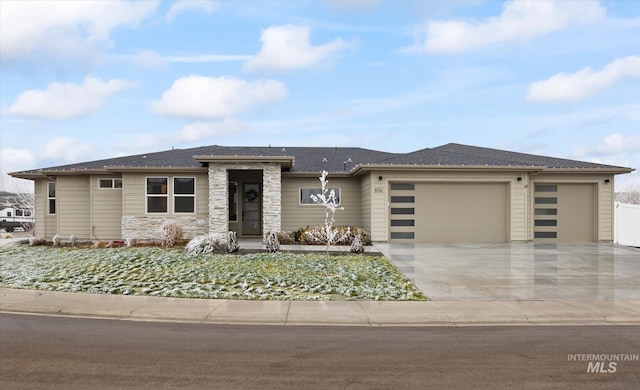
(327, 313)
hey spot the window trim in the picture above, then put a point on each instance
(50, 198)
(147, 195)
(174, 195)
(312, 203)
(113, 183)
(236, 200)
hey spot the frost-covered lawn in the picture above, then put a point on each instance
(173, 273)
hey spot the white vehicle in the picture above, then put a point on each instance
(12, 217)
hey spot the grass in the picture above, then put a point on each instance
(174, 273)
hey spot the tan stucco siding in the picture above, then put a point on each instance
(296, 215)
(73, 209)
(106, 207)
(379, 209)
(365, 202)
(45, 226)
(516, 195)
(604, 202)
(133, 193)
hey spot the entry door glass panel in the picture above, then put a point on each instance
(251, 209)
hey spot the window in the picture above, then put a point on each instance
(157, 194)
(402, 186)
(546, 188)
(305, 194)
(51, 196)
(110, 183)
(403, 199)
(546, 211)
(184, 194)
(542, 200)
(402, 210)
(545, 235)
(233, 202)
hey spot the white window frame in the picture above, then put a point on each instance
(147, 195)
(113, 183)
(338, 191)
(174, 195)
(50, 198)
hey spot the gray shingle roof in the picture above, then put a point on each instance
(332, 159)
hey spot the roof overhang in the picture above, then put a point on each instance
(494, 168)
(609, 171)
(417, 167)
(284, 161)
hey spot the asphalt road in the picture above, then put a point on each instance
(66, 353)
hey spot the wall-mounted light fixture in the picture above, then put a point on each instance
(607, 181)
(519, 178)
(380, 178)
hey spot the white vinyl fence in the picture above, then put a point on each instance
(627, 224)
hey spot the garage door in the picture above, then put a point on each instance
(449, 212)
(564, 212)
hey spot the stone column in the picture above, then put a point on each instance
(271, 198)
(218, 199)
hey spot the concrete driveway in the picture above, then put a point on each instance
(585, 271)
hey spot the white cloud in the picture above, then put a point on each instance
(208, 58)
(216, 97)
(66, 100)
(199, 130)
(583, 83)
(288, 47)
(349, 5)
(67, 150)
(151, 58)
(180, 6)
(619, 143)
(64, 28)
(520, 20)
(14, 160)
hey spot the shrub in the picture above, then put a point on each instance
(271, 242)
(316, 235)
(170, 234)
(131, 242)
(34, 241)
(232, 242)
(207, 243)
(356, 245)
(284, 238)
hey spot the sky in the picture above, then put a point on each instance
(85, 80)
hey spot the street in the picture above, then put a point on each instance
(71, 353)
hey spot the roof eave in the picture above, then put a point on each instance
(390, 167)
(607, 170)
(156, 169)
(284, 161)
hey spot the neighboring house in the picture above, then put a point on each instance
(451, 193)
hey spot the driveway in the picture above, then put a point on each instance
(585, 271)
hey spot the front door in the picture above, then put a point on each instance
(251, 209)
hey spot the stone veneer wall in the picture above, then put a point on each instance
(271, 198)
(148, 227)
(219, 193)
(218, 198)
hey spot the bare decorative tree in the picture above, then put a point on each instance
(327, 198)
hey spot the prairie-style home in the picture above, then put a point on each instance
(450, 193)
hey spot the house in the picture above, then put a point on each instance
(450, 193)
